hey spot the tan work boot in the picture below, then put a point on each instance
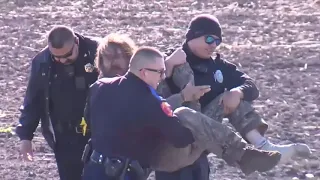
(258, 160)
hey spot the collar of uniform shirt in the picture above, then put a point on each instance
(82, 47)
(136, 78)
(154, 93)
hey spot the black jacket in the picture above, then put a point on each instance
(128, 119)
(220, 74)
(36, 106)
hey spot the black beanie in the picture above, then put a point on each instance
(204, 24)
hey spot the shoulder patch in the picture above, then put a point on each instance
(166, 108)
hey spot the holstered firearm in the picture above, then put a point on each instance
(118, 168)
(115, 168)
(141, 173)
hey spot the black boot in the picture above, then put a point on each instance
(258, 160)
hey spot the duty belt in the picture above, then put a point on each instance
(117, 166)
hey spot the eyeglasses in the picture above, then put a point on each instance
(68, 54)
(209, 39)
(161, 72)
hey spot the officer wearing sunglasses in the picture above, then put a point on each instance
(202, 38)
(205, 38)
(59, 80)
(230, 89)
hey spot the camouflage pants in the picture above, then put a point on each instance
(209, 135)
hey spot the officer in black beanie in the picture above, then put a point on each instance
(231, 94)
(203, 28)
(204, 25)
(208, 27)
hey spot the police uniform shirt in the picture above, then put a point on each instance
(221, 75)
(129, 119)
(68, 91)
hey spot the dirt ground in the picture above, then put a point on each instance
(277, 42)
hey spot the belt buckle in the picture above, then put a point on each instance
(78, 130)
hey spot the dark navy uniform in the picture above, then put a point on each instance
(128, 120)
(56, 95)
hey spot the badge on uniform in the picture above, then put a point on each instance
(88, 67)
(166, 108)
(218, 76)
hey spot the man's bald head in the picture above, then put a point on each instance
(143, 57)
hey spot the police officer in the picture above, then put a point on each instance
(60, 77)
(232, 91)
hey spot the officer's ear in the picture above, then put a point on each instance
(143, 73)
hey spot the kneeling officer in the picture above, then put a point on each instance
(128, 120)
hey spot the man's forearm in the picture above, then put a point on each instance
(249, 91)
(28, 122)
(175, 101)
(169, 68)
(25, 133)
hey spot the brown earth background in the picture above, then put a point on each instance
(277, 42)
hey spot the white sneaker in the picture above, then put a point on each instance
(288, 151)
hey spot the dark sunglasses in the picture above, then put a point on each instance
(210, 40)
(68, 54)
(161, 72)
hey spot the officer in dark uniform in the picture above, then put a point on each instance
(60, 77)
(129, 120)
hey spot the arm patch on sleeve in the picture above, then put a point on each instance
(166, 108)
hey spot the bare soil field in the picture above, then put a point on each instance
(277, 42)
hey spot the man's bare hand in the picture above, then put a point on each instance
(26, 150)
(230, 101)
(193, 93)
(178, 57)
